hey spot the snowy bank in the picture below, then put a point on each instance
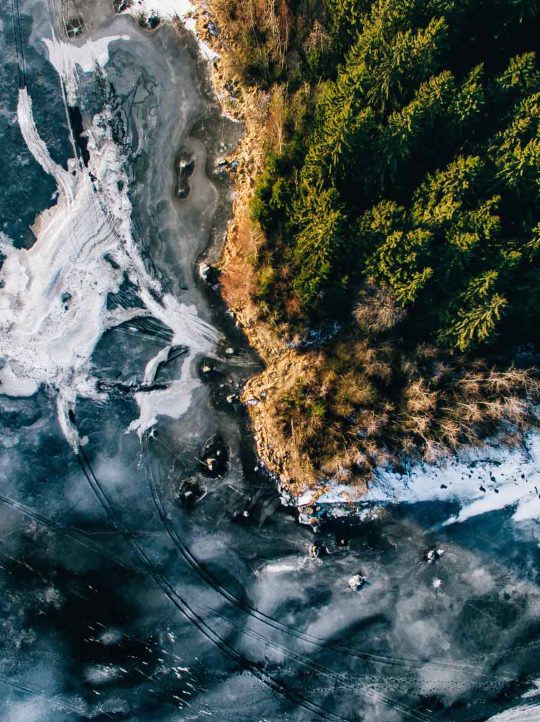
(478, 481)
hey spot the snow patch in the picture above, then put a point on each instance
(518, 714)
(184, 10)
(490, 478)
(164, 9)
(65, 57)
(480, 481)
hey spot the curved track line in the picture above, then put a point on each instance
(183, 606)
(275, 623)
(56, 699)
(255, 635)
(76, 536)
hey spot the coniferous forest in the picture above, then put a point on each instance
(402, 205)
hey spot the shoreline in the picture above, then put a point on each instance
(231, 246)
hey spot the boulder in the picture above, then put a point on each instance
(356, 582)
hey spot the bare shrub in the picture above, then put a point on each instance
(377, 311)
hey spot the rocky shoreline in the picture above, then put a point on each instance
(232, 251)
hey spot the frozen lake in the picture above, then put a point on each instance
(139, 581)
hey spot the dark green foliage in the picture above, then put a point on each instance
(420, 169)
(320, 244)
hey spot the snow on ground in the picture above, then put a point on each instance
(53, 296)
(490, 478)
(164, 9)
(184, 10)
(518, 714)
(487, 479)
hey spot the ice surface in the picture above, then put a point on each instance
(54, 295)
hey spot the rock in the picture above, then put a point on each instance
(214, 458)
(209, 274)
(213, 29)
(121, 5)
(66, 298)
(191, 491)
(316, 550)
(432, 555)
(242, 517)
(204, 270)
(356, 582)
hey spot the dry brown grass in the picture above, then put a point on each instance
(382, 404)
(259, 32)
(238, 277)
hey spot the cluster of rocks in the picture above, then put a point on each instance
(432, 555)
(356, 582)
(214, 458)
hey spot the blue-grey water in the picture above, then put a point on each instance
(120, 599)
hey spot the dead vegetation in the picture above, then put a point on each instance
(268, 37)
(369, 402)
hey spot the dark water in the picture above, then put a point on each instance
(120, 601)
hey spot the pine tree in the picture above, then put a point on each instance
(320, 242)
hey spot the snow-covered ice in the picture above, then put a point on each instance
(170, 10)
(67, 57)
(53, 299)
(487, 479)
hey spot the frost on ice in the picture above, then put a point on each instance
(53, 296)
